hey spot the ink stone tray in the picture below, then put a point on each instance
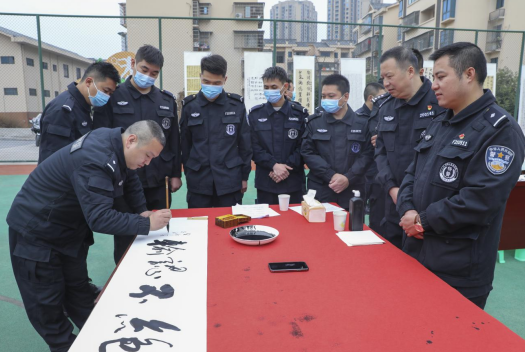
(254, 235)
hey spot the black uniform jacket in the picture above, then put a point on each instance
(464, 170)
(215, 143)
(75, 188)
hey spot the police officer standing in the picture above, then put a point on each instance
(215, 140)
(68, 117)
(404, 113)
(453, 197)
(337, 145)
(374, 195)
(138, 99)
(276, 131)
(71, 190)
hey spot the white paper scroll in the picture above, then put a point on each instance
(355, 71)
(303, 80)
(192, 70)
(254, 66)
(173, 268)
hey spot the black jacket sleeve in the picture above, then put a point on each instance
(134, 193)
(57, 130)
(174, 145)
(245, 146)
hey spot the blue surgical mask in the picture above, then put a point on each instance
(273, 95)
(331, 105)
(211, 91)
(142, 80)
(99, 99)
(293, 96)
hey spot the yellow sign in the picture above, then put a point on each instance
(193, 79)
(122, 62)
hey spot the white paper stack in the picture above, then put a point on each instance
(359, 238)
(255, 211)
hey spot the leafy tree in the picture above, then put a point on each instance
(506, 83)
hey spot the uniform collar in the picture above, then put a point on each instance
(422, 91)
(135, 93)
(284, 109)
(347, 119)
(220, 100)
(483, 102)
(79, 98)
(115, 136)
(364, 110)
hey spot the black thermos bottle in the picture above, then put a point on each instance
(357, 212)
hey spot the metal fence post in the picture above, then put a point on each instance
(160, 47)
(520, 69)
(274, 42)
(40, 65)
(476, 38)
(379, 52)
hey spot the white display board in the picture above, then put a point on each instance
(428, 70)
(157, 296)
(355, 71)
(490, 81)
(303, 80)
(521, 112)
(192, 70)
(255, 64)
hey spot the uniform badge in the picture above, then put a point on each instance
(321, 130)
(356, 147)
(66, 107)
(498, 159)
(195, 114)
(227, 113)
(355, 131)
(120, 183)
(461, 136)
(293, 119)
(388, 118)
(292, 133)
(162, 107)
(449, 172)
(84, 123)
(230, 129)
(122, 103)
(429, 107)
(422, 135)
(428, 137)
(78, 143)
(460, 143)
(262, 120)
(166, 123)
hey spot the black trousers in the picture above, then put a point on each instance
(264, 197)
(49, 287)
(197, 200)
(377, 208)
(480, 301)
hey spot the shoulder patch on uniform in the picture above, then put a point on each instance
(314, 116)
(66, 107)
(381, 99)
(495, 118)
(498, 159)
(168, 93)
(235, 96)
(256, 107)
(188, 99)
(299, 108)
(78, 143)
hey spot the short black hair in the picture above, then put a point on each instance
(372, 89)
(150, 54)
(146, 130)
(288, 80)
(337, 80)
(404, 57)
(215, 64)
(419, 58)
(463, 55)
(275, 72)
(100, 71)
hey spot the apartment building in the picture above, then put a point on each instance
(346, 11)
(302, 10)
(19, 68)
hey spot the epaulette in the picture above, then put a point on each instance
(256, 107)
(314, 116)
(299, 108)
(318, 109)
(78, 143)
(381, 99)
(69, 104)
(494, 117)
(168, 93)
(235, 96)
(188, 99)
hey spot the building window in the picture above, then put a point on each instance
(289, 54)
(6, 60)
(446, 38)
(449, 9)
(400, 14)
(79, 75)
(54, 68)
(30, 62)
(10, 91)
(280, 57)
(344, 55)
(336, 55)
(494, 60)
(66, 71)
(325, 53)
(410, 2)
(32, 92)
(56, 93)
(44, 65)
(47, 93)
(500, 4)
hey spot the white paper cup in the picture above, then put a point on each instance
(284, 201)
(339, 220)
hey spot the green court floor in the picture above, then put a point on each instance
(506, 302)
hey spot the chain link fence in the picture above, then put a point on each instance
(41, 54)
